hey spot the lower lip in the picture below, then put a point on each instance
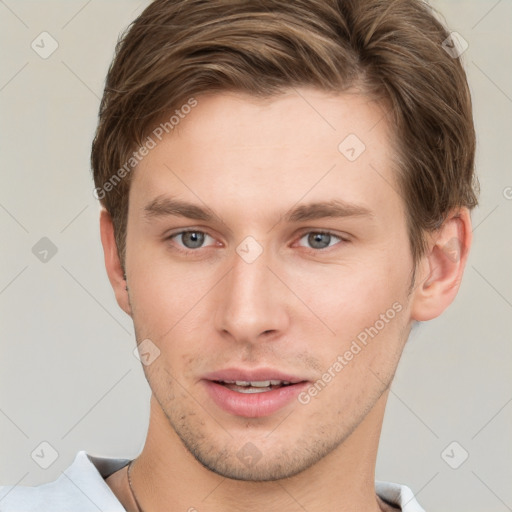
(253, 405)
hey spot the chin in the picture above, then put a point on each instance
(252, 464)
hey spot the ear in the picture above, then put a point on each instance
(113, 266)
(442, 266)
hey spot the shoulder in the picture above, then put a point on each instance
(398, 495)
(80, 488)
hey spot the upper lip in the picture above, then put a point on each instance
(254, 375)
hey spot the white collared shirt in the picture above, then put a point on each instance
(82, 488)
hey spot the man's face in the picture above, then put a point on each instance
(270, 283)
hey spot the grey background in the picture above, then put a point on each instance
(67, 372)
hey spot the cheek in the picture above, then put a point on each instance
(365, 304)
(351, 297)
(162, 288)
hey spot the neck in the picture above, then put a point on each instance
(167, 477)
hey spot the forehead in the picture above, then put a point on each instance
(237, 151)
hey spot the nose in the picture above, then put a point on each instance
(251, 302)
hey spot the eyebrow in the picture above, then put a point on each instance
(164, 206)
(335, 208)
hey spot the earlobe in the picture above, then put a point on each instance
(442, 267)
(113, 265)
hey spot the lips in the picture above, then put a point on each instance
(252, 393)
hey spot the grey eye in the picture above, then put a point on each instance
(192, 239)
(320, 239)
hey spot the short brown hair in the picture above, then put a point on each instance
(389, 49)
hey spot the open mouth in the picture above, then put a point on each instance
(252, 398)
(262, 386)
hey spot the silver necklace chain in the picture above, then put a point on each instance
(139, 508)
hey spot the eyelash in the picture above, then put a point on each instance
(186, 250)
(324, 232)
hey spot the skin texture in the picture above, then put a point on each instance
(295, 308)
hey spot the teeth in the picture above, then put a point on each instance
(261, 384)
(256, 386)
(258, 383)
(253, 390)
